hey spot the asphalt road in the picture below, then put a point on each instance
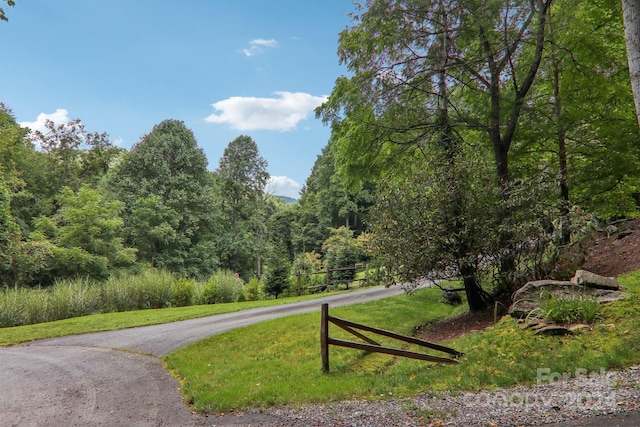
(116, 378)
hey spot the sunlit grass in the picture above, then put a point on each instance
(279, 362)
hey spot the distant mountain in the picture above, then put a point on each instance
(287, 199)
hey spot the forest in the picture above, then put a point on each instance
(470, 139)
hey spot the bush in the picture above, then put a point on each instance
(34, 305)
(253, 289)
(10, 308)
(278, 280)
(222, 287)
(183, 292)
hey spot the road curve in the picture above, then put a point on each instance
(115, 378)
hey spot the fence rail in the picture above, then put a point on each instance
(372, 345)
(329, 282)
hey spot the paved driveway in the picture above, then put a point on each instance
(116, 378)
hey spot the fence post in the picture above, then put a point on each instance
(299, 283)
(366, 274)
(324, 337)
(328, 277)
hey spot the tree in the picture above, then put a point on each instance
(3, 17)
(278, 279)
(438, 75)
(341, 253)
(85, 236)
(9, 236)
(242, 175)
(631, 15)
(169, 202)
(578, 127)
(326, 201)
(76, 155)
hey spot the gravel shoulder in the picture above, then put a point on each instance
(586, 399)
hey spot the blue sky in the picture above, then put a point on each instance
(225, 68)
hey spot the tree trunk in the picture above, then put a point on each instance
(477, 298)
(631, 15)
(561, 134)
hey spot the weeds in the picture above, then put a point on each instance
(570, 309)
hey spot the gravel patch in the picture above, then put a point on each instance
(555, 398)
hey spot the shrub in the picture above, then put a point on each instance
(253, 289)
(278, 280)
(183, 292)
(149, 289)
(34, 305)
(223, 286)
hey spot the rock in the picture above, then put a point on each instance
(450, 296)
(580, 327)
(527, 298)
(554, 330)
(591, 280)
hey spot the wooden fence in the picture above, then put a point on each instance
(328, 283)
(373, 346)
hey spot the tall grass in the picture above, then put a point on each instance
(149, 289)
(73, 299)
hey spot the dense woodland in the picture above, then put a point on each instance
(470, 139)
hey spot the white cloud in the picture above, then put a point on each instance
(257, 46)
(283, 186)
(60, 116)
(282, 113)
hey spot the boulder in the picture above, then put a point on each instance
(591, 280)
(527, 298)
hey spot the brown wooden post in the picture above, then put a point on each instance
(366, 274)
(324, 337)
(299, 284)
(328, 277)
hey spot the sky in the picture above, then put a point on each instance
(224, 67)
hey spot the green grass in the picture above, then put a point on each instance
(278, 362)
(570, 309)
(129, 319)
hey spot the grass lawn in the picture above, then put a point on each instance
(278, 362)
(130, 319)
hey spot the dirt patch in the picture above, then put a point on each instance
(456, 326)
(614, 252)
(611, 252)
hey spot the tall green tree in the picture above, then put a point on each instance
(168, 197)
(327, 201)
(631, 14)
(579, 127)
(9, 236)
(243, 175)
(84, 236)
(438, 75)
